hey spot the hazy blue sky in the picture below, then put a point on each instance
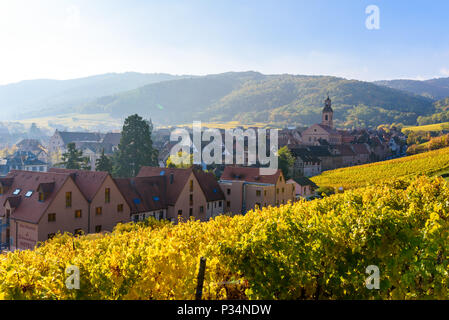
(64, 39)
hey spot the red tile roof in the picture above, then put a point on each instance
(30, 209)
(248, 174)
(345, 150)
(360, 148)
(89, 182)
(143, 194)
(209, 185)
(176, 179)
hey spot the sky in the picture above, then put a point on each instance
(65, 39)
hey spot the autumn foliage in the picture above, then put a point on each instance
(307, 250)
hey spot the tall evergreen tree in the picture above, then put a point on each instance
(136, 147)
(286, 161)
(73, 158)
(104, 163)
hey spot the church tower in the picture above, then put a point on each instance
(328, 114)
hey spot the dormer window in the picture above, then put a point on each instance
(29, 194)
(16, 192)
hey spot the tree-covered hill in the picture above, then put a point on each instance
(40, 97)
(253, 97)
(433, 88)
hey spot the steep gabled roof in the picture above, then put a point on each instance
(248, 174)
(29, 208)
(68, 137)
(320, 151)
(328, 129)
(143, 194)
(304, 181)
(304, 154)
(112, 138)
(344, 150)
(209, 185)
(176, 179)
(89, 182)
(360, 148)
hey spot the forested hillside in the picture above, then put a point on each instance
(254, 97)
(434, 88)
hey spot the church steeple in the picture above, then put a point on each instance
(328, 113)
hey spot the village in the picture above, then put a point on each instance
(40, 198)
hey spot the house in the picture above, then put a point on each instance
(146, 197)
(306, 164)
(107, 206)
(304, 187)
(60, 139)
(324, 155)
(25, 160)
(35, 147)
(245, 188)
(90, 143)
(189, 193)
(34, 206)
(345, 154)
(362, 153)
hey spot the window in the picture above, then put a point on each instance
(78, 232)
(191, 185)
(107, 195)
(208, 206)
(120, 207)
(98, 228)
(51, 236)
(16, 192)
(98, 211)
(41, 197)
(265, 193)
(219, 204)
(8, 213)
(29, 194)
(191, 199)
(201, 209)
(283, 189)
(228, 204)
(68, 199)
(190, 212)
(78, 213)
(229, 191)
(326, 117)
(258, 193)
(179, 213)
(51, 217)
(277, 190)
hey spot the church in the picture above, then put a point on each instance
(324, 130)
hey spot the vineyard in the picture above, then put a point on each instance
(428, 163)
(429, 127)
(307, 250)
